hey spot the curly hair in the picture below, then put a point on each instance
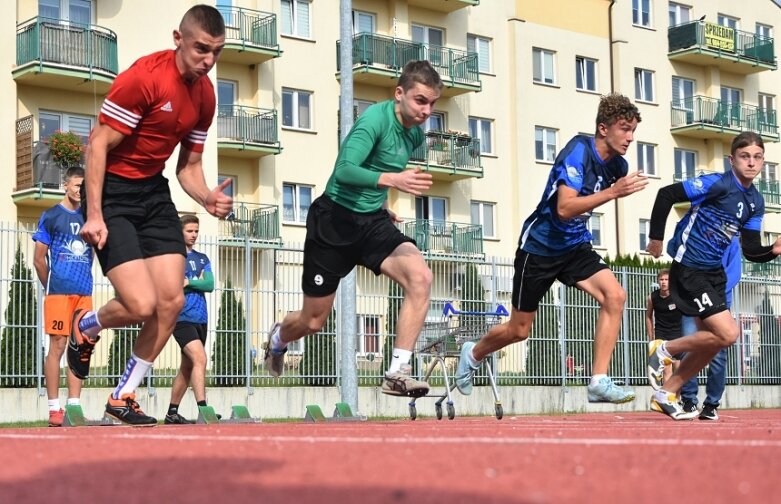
(614, 107)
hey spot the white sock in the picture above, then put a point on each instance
(470, 357)
(54, 404)
(663, 349)
(595, 379)
(73, 401)
(277, 345)
(400, 357)
(132, 377)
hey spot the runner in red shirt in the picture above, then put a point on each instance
(163, 100)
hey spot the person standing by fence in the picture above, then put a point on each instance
(662, 317)
(63, 263)
(555, 243)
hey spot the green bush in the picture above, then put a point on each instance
(229, 358)
(20, 335)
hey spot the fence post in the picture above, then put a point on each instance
(562, 338)
(624, 325)
(40, 330)
(248, 311)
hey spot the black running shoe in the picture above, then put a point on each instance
(80, 348)
(176, 419)
(689, 406)
(127, 410)
(709, 412)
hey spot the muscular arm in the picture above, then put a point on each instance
(569, 204)
(649, 319)
(189, 171)
(101, 141)
(39, 261)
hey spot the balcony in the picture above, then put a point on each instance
(770, 269)
(250, 36)
(247, 132)
(62, 55)
(704, 117)
(378, 61)
(444, 5)
(251, 225)
(443, 239)
(449, 156)
(771, 191)
(38, 177)
(731, 50)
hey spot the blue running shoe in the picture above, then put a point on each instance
(607, 391)
(465, 372)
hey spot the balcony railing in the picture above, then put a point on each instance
(46, 42)
(252, 31)
(715, 114)
(769, 269)
(770, 190)
(445, 238)
(454, 152)
(455, 67)
(691, 41)
(251, 223)
(247, 128)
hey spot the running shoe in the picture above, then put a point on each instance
(689, 406)
(667, 403)
(56, 417)
(127, 410)
(709, 412)
(656, 364)
(607, 391)
(465, 372)
(401, 383)
(177, 419)
(274, 359)
(80, 347)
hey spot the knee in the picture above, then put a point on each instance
(141, 308)
(518, 332)
(173, 304)
(615, 299)
(729, 337)
(419, 283)
(314, 324)
(198, 360)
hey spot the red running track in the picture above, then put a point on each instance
(601, 458)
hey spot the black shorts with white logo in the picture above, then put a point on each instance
(141, 219)
(534, 274)
(338, 239)
(698, 293)
(185, 332)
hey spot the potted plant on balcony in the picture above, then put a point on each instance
(66, 147)
(436, 140)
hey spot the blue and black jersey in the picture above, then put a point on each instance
(721, 208)
(197, 264)
(580, 167)
(69, 257)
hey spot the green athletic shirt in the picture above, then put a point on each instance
(377, 143)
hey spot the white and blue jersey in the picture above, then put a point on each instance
(579, 167)
(194, 310)
(69, 257)
(721, 208)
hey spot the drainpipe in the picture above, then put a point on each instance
(612, 89)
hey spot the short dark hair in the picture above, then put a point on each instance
(614, 107)
(189, 219)
(663, 271)
(745, 139)
(74, 171)
(420, 72)
(206, 17)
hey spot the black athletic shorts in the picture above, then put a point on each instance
(185, 332)
(141, 218)
(698, 293)
(338, 239)
(534, 274)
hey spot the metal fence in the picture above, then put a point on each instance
(257, 284)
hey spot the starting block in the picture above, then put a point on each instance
(342, 413)
(207, 415)
(314, 414)
(240, 414)
(74, 417)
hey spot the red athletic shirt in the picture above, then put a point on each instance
(155, 108)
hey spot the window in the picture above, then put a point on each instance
(544, 66)
(49, 122)
(764, 31)
(685, 163)
(432, 39)
(544, 144)
(296, 18)
(586, 74)
(731, 95)
(770, 173)
(645, 227)
(646, 158)
(683, 94)
(296, 108)
(75, 11)
(483, 214)
(481, 129)
(231, 189)
(296, 200)
(226, 97)
(644, 85)
(594, 225)
(361, 106)
(431, 208)
(728, 21)
(730, 111)
(679, 14)
(435, 122)
(727, 164)
(368, 334)
(641, 13)
(363, 22)
(481, 46)
(767, 103)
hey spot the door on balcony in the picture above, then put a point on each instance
(683, 102)
(731, 100)
(227, 120)
(431, 223)
(432, 42)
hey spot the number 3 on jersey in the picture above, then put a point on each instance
(702, 303)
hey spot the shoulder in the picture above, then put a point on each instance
(152, 63)
(575, 150)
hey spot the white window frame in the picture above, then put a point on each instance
(644, 78)
(728, 21)
(678, 13)
(595, 222)
(682, 170)
(481, 46)
(540, 59)
(477, 129)
(763, 30)
(299, 213)
(361, 335)
(296, 117)
(478, 213)
(361, 106)
(542, 136)
(680, 85)
(769, 172)
(427, 204)
(357, 15)
(64, 120)
(646, 158)
(441, 116)
(64, 9)
(766, 101)
(298, 28)
(642, 13)
(645, 230)
(583, 67)
(231, 189)
(222, 106)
